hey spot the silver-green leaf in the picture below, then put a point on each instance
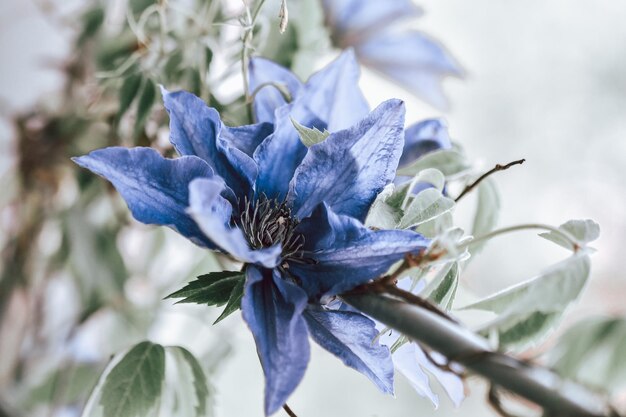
(487, 211)
(584, 231)
(528, 310)
(449, 162)
(427, 205)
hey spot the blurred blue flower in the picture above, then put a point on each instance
(407, 57)
(293, 215)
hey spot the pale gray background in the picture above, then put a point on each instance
(546, 80)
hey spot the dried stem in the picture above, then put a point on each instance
(289, 411)
(495, 169)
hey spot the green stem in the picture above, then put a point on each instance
(530, 226)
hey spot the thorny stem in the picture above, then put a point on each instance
(495, 169)
(289, 411)
(565, 235)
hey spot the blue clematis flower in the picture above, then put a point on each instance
(291, 214)
(407, 57)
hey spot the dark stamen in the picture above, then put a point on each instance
(266, 222)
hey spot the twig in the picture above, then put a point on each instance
(493, 396)
(495, 169)
(289, 411)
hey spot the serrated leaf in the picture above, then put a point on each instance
(134, 385)
(234, 301)
(487, 211)
(214, 288)
(144, 104)
(593, 352)
(449, 162)
(584, 231)
(528, 310)
(128, 92)
(427, 205)
(192, 388)
(310, 136)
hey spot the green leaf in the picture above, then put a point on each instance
(214, 288)
(173, 63)
(92, 21)
(399, 198)
(584, 231)
(134, 385)
(144, 105)
(382, 215)
(309, 136)
(549, 292)
(487, 211)
(449, 162)
(593, 352)
(192, 392)
(234, 301)
(427, 205)
(128, 92)
(528, 310)
(442, 289)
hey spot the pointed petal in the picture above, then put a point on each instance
(195, 129)
(353, 20)
(273, 308)
(347, 253)
(411, 59)
(350, 337)
(247, 138)
(405, 360)
(268, 98)
(155, 188)
(333, 93)
(351, 167)
(212, 213)
(424, 137)
(451, 383)
(280, 154)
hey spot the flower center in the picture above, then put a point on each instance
(266, 222)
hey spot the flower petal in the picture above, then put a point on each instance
(411, 59)
(451, 383)
(273, 308)
(155, 188)
(333, 93)
(405, 360)
(268, 98)
(280, 154)
(195, 129)
(248, 137)
(424, 137)
(353, 20)
(212, 213)
(346, 253)
(350, 337)
(351, 166)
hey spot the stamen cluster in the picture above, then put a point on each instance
(266, 222)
